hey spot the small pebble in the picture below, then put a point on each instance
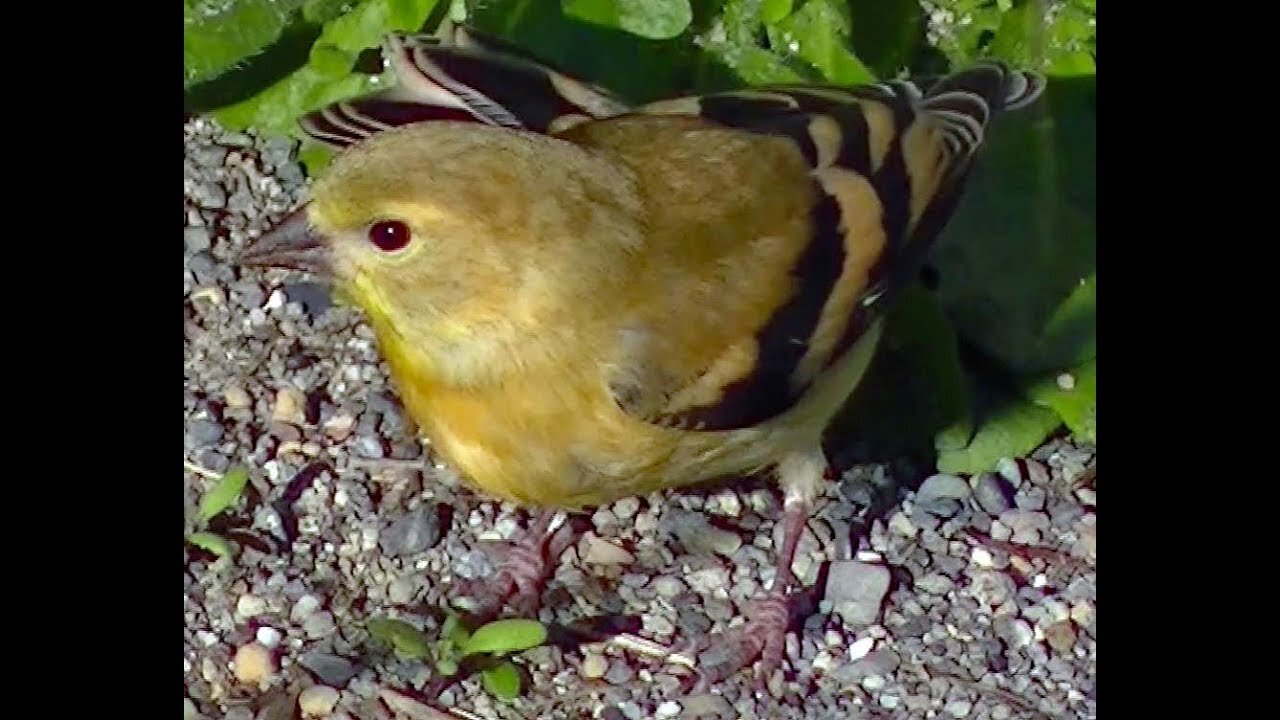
(250, 606)
(317, 701)
(856, 590)
(959, 708)
(253, 664)
(668, 709)
(603, 552)
(594, 666)
(268, 636)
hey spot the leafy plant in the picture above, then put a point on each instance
(490, 644)
(970, 372)
(221, 497)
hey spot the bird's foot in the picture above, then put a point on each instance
(763, 636)
(523, 564)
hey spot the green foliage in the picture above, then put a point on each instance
(223, 496)
(492, 642)
(655, 19)
(505, 636)
(406, 641)
(503, 680)
(215, 544)
(1017, 263)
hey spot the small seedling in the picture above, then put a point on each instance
(495, 640)
(222, 497)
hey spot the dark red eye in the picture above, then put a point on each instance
(389, 235)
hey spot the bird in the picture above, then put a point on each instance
(582, 298)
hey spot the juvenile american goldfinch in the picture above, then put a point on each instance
(581, 300)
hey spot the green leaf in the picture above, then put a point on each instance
(503, 681)
(1062, 47)
(453, 632)
(1076, 403)
(654, 19)
(408, 642)
(1015, 430)
(326, 78)
(315, 157)
(215, 544)
(330, 61)
(217, 34)
(1017, 261)
(506, 636)
(320, 12)
(771, 11)
(819, 33)
(224, 494)
(277, 109)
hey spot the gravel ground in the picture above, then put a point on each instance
(962, 599)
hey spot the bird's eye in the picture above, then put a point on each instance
(389, 235)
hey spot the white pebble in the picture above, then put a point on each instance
(250, 605)
(668, 709)
(860, 648)
(868, 556)
(304, 607)
(982, 558)
(1039, 581)
(872, 683)
(594, 666)
(206, 638)
(889, 702)
(1067, 381)
(317, 701)
(268, 636)
(276, 301)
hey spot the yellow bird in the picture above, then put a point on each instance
(581, 300)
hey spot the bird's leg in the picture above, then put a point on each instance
(522, 567)
(768, 618)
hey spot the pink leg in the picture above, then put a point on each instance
(765, 632)
(523, 566)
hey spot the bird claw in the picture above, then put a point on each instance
(763, 636)
(521, 569)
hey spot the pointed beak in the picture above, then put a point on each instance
(292, 244)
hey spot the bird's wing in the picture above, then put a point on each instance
(758, 309)
(462, 75)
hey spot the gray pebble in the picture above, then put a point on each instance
(1031, 497)
(1025, 525)
(202, 433)
(993, 493)
(935, 583)
(411, 533)
(619, 672)
(856, 590)
(315, 298)
(241, 202)
(210, 195)
(942, 487)
(329, 669)
(319, 625)
(197, 239)
(959, 708)
(692, 621)
(202, 267)
(276, 151)
(707, 705)
(210, 156)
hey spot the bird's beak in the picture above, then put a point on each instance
(292, 244)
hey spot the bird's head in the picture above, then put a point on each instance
(445, 231)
